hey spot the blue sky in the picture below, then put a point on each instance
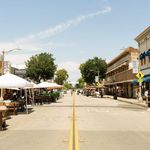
(73, 31)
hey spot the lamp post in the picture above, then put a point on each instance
(96, 79)
(3, 58)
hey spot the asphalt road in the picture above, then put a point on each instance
(102, 124)
(106, 124)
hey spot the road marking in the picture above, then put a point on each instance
(74, 140)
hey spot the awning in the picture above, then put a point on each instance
(134, 82)
(146, 79)
(126, 81)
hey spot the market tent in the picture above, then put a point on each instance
(8, 81)
(47, 85)
(12, 81)
(55, 85)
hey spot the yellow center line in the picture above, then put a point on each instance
(74, 140)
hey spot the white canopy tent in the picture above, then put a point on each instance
(47, 85)
(12, 81)
(9, 81)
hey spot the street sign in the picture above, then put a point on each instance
(98, 84)
(96, 78)
(140, 75)
(140, 80)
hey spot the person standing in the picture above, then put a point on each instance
(138, 94)
(146, 96)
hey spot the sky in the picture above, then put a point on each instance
(72, 30)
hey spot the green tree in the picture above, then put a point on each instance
(80, 83)
(93, 67)
(41, 67)
(61, 76)
(68, 85)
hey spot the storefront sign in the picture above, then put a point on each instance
(135, 66)
(96, 79)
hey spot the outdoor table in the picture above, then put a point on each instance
(12, 106)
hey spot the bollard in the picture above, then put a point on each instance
(115, 96)
(115, 93)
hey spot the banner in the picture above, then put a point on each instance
(135, 66)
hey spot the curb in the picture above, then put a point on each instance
(133, 103)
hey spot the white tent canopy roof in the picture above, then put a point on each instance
(47, 85)
(12, 81)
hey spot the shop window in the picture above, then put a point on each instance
(141, 62)
(144, 60)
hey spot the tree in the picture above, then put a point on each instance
(80, 83)
(68, 85)
(41, 67)
(93, 67)
(61, 76)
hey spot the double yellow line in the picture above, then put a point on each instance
(74, 140)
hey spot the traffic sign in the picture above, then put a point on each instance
(140, 80)
(96, 78)
(98, 84)
(140, 75)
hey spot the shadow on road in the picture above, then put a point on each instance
(134, 108)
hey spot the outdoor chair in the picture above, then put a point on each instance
(12, 107)
(38, 100)
(21, 104)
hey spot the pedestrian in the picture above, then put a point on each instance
(71, 92)
(146, 96)
(138, 94)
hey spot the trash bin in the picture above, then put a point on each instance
(115, 96)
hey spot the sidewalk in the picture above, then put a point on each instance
(129, 100)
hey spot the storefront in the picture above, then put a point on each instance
(143, 40)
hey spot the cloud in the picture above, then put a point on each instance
(33, 41)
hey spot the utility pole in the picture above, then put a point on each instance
(2, 62)
(98, 83)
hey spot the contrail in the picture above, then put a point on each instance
(52, 31)
(32, 41)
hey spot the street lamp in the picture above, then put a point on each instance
(3, 57)
(96, 79)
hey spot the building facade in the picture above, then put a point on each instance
(143, 40)
(120, 73)
(21, 72)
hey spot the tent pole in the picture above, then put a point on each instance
(1, 98)
(26, 100)
(33, 95)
